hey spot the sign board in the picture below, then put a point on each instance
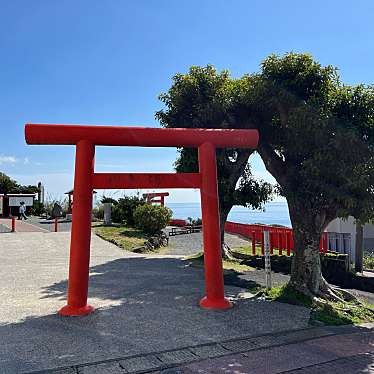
(16, 200)
(267, 259)
(1, 204)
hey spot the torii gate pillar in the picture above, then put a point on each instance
(81, 231)
(214, 286)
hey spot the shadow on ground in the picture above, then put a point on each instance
(146, 305)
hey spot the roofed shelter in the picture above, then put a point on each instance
(10, 202)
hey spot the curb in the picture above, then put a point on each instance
(162, 360)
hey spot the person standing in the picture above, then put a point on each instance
(22, 211)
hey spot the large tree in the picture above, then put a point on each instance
(203, 98)
(316, 137)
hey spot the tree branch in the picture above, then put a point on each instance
(273, 163)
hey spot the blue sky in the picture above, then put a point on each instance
(105, 63)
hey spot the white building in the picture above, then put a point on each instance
(348, 226)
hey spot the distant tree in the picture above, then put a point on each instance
(106, 199)
(27, 189)
(316, 137)
(123, 212)
(203, 98)
(7, 184)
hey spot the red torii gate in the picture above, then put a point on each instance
(87, 137)
(155, 197)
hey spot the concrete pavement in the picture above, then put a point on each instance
(148, 320)
(21, 225)
(145, 304)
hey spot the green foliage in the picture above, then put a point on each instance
(316, 139)
(368, 260)
(289, 295)
(8, 185)
(106, 199)
(123, 211)
(330, 313)
(316, 135)
(204, 98)
(152, 218)
(50, 202)
(195, 222)
(38, 208)
(98, 211)
(127, 238)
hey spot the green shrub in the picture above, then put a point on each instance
(152, 218)
(106, 199)
(123, 212)
(98, 211)
(38, 208)
(368, 260)
(195, 222)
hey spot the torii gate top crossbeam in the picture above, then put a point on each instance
(139, 136)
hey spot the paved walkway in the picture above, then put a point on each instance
(320, 350)
(148, 319)
(348, 352)
(21, 225)
(49, 225)
(145, 304)
(190, 244)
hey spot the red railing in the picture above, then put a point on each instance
(281, 238)
(178, 222)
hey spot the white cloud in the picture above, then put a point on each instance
(8, 160)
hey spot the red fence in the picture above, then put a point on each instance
(281, 238)
(178, 222)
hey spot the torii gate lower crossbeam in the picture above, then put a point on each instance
(155, 197)
(85, 180)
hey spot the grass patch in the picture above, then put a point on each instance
(368, 260)
(247, 250)
(198, 260)
(124, 237)
(330, 313)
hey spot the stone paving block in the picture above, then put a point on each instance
(135, 364)
(209, 351)
(105, 368)
(240, 345)
(263, 341)
(349, 365)
(177, 357)
(295, 336)
(64, 371)
(172, 371)
(4, 228)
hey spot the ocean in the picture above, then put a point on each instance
(274, 213)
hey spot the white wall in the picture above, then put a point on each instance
(349, 226)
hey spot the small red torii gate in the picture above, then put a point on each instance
(155, 197)
(85, 138)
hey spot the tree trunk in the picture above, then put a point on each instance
(223, 213)
(306, 274)
(359, 247)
